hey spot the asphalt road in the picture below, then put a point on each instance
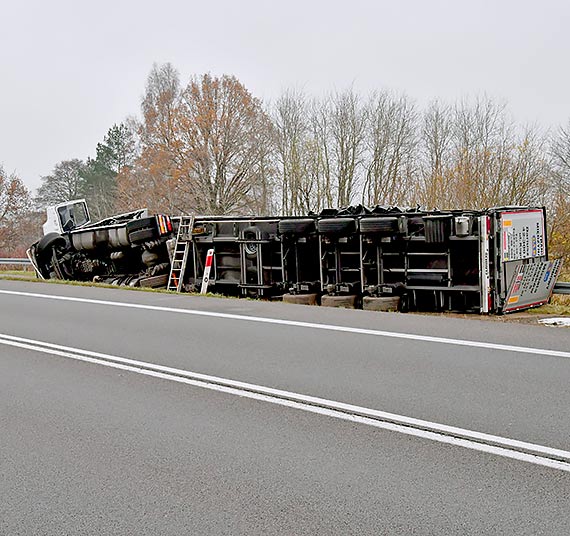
(87, 449)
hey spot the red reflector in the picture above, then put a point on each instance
(209, 258)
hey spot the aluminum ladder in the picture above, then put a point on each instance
(181, 252)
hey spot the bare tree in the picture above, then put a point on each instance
(435, 155)
(347, 121)
(390, 142)
(160, 106)
(291, 136)
(322, 157)
(152, 180)
(66, 182)
(299, 153)
(529, 176)
(559, 206)
(561, 154)
(483, 141)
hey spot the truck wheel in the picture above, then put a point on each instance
(300, 299)
(299, 227)
(46, 248)
(385, 303)
(141, 223)
(149, 258)
(347, 302)
(49, 241)
(379, 225)
(251, 248)
(342, 226)
(142, 236)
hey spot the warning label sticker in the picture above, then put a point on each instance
(523, 235)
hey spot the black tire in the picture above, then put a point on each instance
(346, 302)
(404, 303)
(141, 223)
(387, 225)
(251, 248)
(45, 248)
(149, 258)
(136, 237)
(300, 299)
(389, 290)
(298, 227)
(49, 241)
(384, 303)
(340, 226)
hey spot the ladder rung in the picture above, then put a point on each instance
(181, 250)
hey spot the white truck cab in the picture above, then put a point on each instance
(67, 216)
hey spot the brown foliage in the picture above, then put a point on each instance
(204, 149)
(152, 180)
(224, 140)
(15, 201)
(559, 228)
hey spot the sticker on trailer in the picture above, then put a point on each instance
(523, 235)
(532, 284)
(207, 268)
(484, 264)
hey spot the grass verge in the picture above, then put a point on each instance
(22, 275)
(558, 306)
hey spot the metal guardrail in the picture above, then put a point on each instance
(21, 262)
(562, 287)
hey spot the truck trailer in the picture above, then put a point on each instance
(481, 261)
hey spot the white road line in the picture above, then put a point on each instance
(509, 448)
(299, 324)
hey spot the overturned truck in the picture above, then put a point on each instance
(127, 249)
(486, 261)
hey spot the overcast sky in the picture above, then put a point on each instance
(69, 69)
